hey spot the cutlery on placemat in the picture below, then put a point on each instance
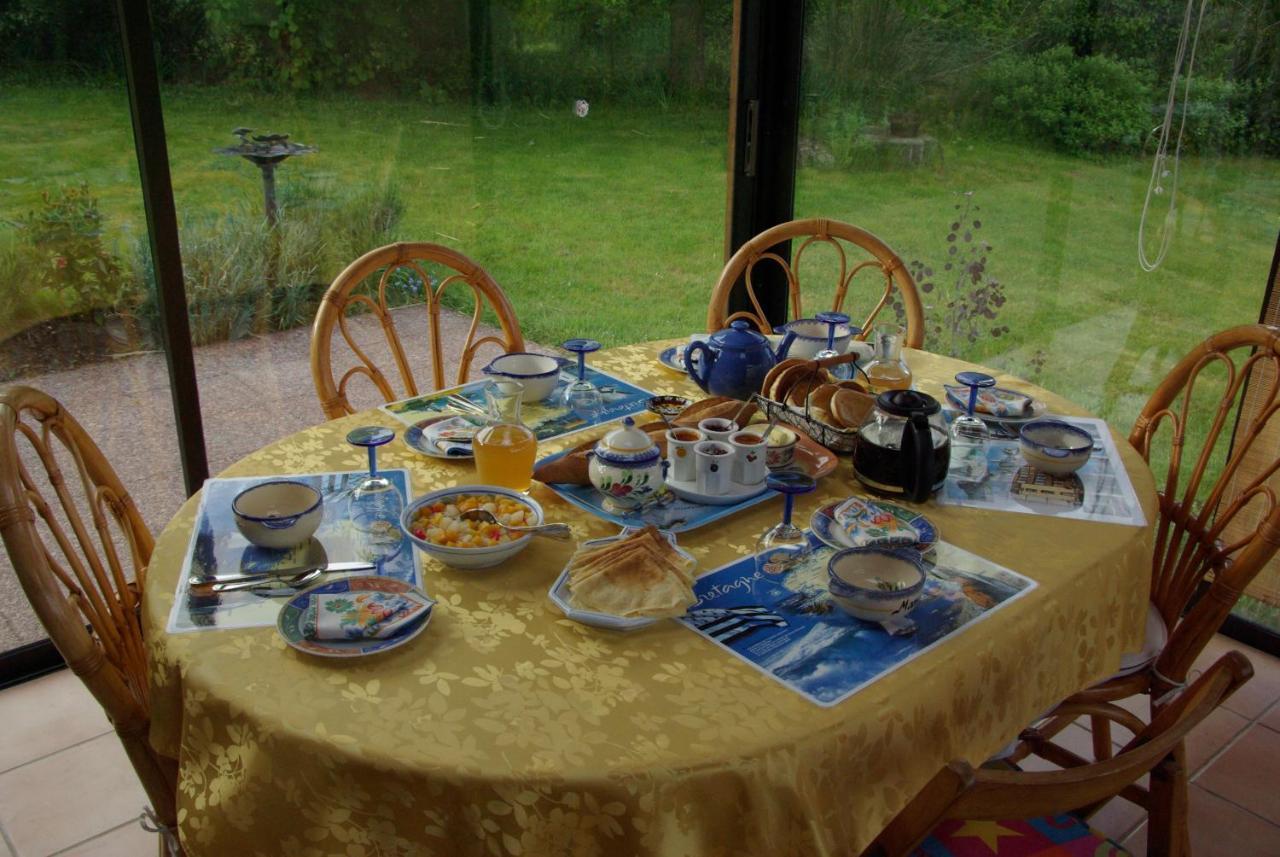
(268, 576)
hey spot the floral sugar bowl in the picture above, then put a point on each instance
(626, 467)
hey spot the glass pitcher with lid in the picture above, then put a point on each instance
(903, 448)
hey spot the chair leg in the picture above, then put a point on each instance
(1100, 728)
(1167, 820)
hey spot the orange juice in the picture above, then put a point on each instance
(504, 456)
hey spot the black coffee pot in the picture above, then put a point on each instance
(903, 448)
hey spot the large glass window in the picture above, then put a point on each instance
(1004, 151)
(78, 316)
(574, 151)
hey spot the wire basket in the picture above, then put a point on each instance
(835, 439)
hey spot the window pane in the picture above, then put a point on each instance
(78, 319)
(1004, 151)
(574, 151)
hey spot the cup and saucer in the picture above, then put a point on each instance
(716, 464)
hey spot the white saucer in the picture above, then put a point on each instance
(736, 493)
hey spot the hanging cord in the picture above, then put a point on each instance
(1159, 166)
(169, 835)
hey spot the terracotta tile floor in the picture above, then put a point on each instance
(58, 752)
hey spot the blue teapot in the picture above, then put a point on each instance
(732, 362)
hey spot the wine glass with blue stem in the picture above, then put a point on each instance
(375, 501)
(833, 320)
(581, 396)
(784, 546)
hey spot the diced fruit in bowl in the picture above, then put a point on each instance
(435, 525)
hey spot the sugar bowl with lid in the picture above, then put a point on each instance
(626, 467)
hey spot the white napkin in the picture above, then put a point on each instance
(362, 615)
(867, 523)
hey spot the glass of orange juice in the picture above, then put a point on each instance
(505, 449)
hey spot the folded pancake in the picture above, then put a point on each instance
(640, 575)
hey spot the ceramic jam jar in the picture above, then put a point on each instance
(626, 467)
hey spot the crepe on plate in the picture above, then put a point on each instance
(640, 575)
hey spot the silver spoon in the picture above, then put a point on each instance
(559, 532)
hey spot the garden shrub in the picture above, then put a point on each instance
(241, 278)
(1084, 105)
(71, 268)
(1215, 122)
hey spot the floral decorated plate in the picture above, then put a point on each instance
(294, 619)
(996, 405)
(673, 358)
(825, 526)
(442, 437)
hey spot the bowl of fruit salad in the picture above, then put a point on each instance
(435, 525)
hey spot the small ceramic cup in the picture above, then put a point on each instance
(680, 445)
(749, 455)
(714, 463)
(719, 429)
(782, 448)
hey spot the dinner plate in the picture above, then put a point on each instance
(1038, 410)
(673, 358)
(824, 526)
(560, 594)
(294, 613)
(424, 436)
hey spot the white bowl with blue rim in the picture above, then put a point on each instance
(468, 558)
(1055, 447)
(804, 337)
(537, 372)
(875, 584)
(279, 514)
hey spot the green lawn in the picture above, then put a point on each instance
(613, 226)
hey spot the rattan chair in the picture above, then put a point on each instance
(1035, 806)
(341, 298)
(850, 243)
(78, 578)
(1203, 558)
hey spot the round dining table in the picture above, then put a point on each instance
(508, 729)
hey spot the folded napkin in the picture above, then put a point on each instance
(993, 401)
(361, 615)
(867, 523)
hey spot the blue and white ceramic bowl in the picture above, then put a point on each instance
(1055, 447)
(279, 514)
(537, 372)
(468, 558)
(875, 584)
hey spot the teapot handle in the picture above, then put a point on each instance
(786, 342)
(699, 370)
(917, 447)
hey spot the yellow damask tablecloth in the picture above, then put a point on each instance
(507, 729)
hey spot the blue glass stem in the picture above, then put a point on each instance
(831, 336)
(788, 502)
(582, 365)
(373, 461)
(973, 399)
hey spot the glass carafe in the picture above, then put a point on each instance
(903, 449)
(505, 448)
(887, 370)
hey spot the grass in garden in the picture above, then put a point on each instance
(613, 226)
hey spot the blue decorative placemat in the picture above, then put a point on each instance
(547, 419)
(788, 627)
(218, 550)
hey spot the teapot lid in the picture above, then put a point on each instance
(904, 403)
(738, 337)
(627, 445)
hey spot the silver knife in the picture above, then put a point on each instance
(197, 580)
